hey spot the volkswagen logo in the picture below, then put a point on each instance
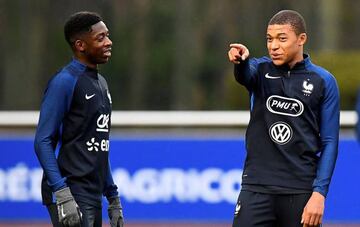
(280, 132)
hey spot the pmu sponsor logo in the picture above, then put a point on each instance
(284, 106)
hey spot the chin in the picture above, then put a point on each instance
(103, 61)
(277, 62)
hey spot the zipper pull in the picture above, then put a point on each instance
(288, 74)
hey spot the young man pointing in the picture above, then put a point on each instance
(292, 136)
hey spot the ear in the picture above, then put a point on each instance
(79, 45)
(302, 39)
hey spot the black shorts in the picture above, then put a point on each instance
(269, 210)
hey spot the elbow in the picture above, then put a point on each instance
(41, 143)
(37, 142)
(237, 78)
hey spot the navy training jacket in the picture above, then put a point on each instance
(75, 118)
(292, 136)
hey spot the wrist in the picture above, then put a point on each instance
(114, 202)
(63, 195)
(318, 196)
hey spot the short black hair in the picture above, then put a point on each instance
(79, 23)
(291, 17)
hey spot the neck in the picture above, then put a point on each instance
(298, 58)
(84, 61)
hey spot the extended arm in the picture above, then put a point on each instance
(245, 69)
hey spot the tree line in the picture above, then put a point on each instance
(169, 55)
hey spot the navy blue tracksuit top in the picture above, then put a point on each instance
(292, 136)
(75, 117)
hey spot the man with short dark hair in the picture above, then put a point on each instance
(75, 118)
(292, 136)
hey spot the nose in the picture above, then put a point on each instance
(108, 41)
(274, 45)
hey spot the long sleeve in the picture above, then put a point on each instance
(110, 189)
(245, 73)
(56, 102)
(329, 133)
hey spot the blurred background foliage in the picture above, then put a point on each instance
(167, 54)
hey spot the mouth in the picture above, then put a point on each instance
(107, 52)
(276, 56)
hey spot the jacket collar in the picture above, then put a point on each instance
(82, 67)
(305, 63)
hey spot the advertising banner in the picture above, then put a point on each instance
(169, 179)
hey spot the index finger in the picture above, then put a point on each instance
(237, 45)
(243, 50)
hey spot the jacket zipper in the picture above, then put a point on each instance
(288, 90)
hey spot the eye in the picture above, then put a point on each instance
(269, 39)
(101, 37)
(282, 39)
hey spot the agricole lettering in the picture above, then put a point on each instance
(21, 183)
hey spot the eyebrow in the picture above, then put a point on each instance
(279, 34)
(102, 33)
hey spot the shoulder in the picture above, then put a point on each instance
(331, 88)
(64, 79)
(255, 63)
(262, 60)
(322, 73)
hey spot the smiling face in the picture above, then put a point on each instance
(94, 47)
(284, 45)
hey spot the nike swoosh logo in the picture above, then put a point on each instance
(62, 211)
(87, 97)
(238, 206)
(271, 77)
